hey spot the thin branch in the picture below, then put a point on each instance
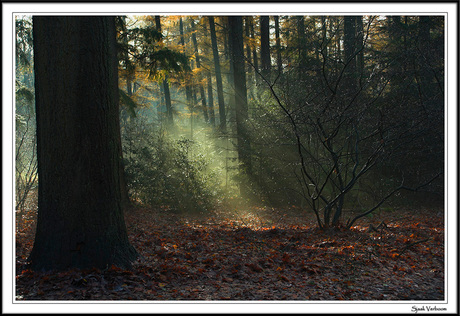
(412, 244)
(401, 187)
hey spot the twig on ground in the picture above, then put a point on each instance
(412, 244)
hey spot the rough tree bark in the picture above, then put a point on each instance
(80, 219)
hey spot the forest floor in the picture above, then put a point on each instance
(260, 254)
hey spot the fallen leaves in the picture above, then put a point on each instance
(212, 259)
(254, 267)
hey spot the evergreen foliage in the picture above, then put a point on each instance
(168, 172)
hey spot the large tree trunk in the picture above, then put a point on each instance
(80, 219)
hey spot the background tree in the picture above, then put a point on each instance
(301, 46)
(220, 92)
(80, 219)
(350, 48)
(240, 93)
(255, 60)
(279, 61)
(198, 68)
(165, 85)
(209, 66)
(191, 104)
(265, 46)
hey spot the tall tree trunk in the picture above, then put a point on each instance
(265, 46)
(247, 44)
(209, 83)
(279, 62)
(250, 70)
(198, 65)
(350, 54)
(188, 88)
(220, 90)
(255, 60)
(426, 73)
(168, 103)
(338, 41)
(80, 220)
(323, 52)
(359, 46)
(405, 43)
(241, 104)
(231, 115)
(302, 46)
(212, 116)
(165, 86)
(324, 38)
(350, 42)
